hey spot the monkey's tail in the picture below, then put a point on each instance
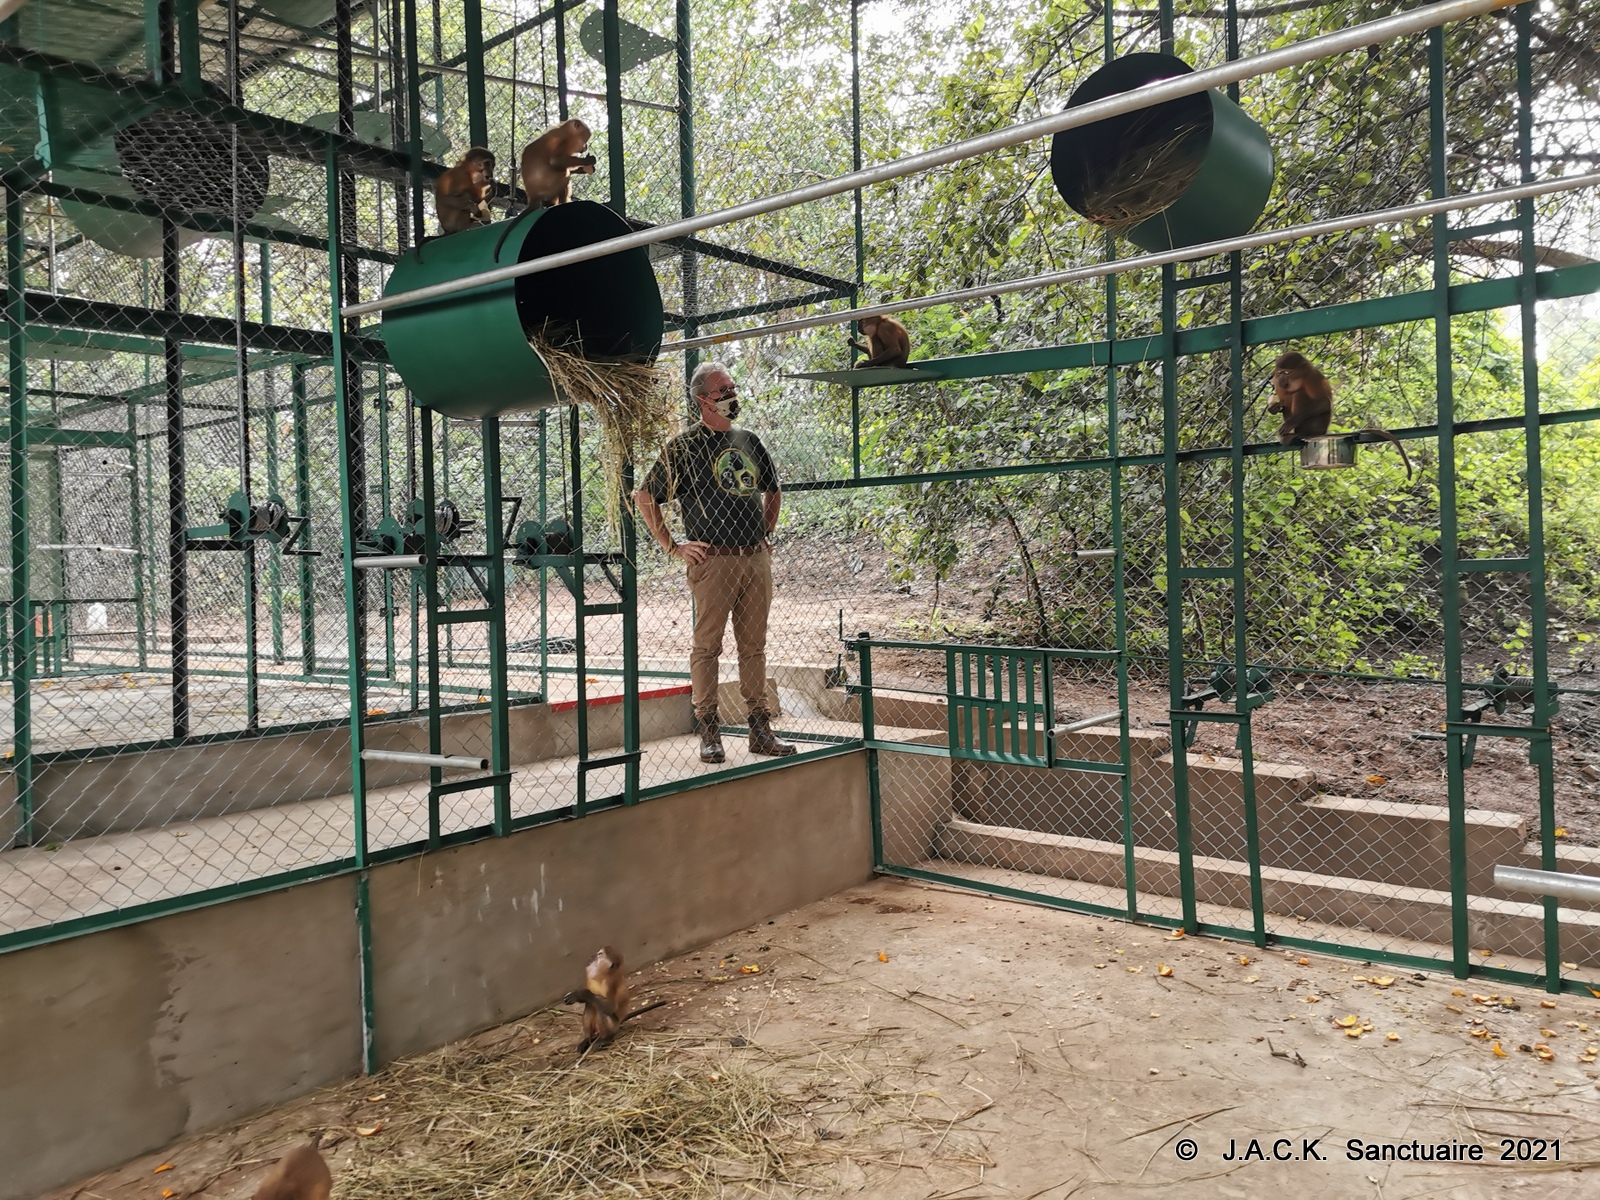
(646, 1008)
(1404, 457)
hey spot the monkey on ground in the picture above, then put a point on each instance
(460, 195)
(605, 1000)
(888, 343)
(300, 1174)
(1304, 397)
(549, 161)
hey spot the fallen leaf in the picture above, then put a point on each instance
(1593, 993)
(1457, 992)
(1543, 1052)
(1164, 971)
(1175, 934)
(882, 957)
(1547, 1004)
(377, 1098)
(753, 969)
(1352, 1033)
(1347, 1022)
(1483, 1033)
(1253, 979)
(1304, 962)
(1135, 970)
(1244, 960)
(161, 1168)
(376, 712)
(1499, 1053)
(369, 1130)
(167, 1194)
(1560, 831)
(1376, 779)
(1384, 981)
(1547, 1033)
(1482, 999)
(1455, 1008)
(1391, 1037)
(1313, 999)
(1486, 953)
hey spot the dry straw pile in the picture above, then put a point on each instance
(634, 402)
(1151, 170)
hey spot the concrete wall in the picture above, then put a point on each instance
(89, 797)
(116, 1043)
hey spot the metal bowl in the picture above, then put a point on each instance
(1329, 453)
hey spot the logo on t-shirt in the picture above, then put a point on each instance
(735, 472)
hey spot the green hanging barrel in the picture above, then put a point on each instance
(1192, 170)
(468, 354)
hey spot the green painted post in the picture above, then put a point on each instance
(1540, 750)
(686, 179)
(274, 463)
(302, 500)
(630, 640)
(135, 525)
(499, 701)
(580, 648)
(22, 650)
(1449, 549)
(544, 572)
(477, 98)
(189, 76)
(616, 165)
(350, 525)
(386, 506)
(857, 217)
(149, 557)
(430, 599)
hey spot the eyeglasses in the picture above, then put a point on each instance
(721, 393)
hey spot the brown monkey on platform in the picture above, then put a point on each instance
(605, 1000)
(549, 161)
(888, 343)
(459, 198)
(300, 1175)
(1303, 396)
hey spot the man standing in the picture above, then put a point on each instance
(727, 492)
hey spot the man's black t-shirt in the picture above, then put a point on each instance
(717, 479)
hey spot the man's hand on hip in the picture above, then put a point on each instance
(691, 552)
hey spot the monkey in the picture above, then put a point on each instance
(549, 161)
(888, 343)
(300, 1174)
(460, 195)
(1303, 396)
(605, 1000)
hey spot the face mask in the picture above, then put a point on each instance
(728, 407)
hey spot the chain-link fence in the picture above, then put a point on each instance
(187, 650)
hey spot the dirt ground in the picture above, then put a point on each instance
(927, 1044)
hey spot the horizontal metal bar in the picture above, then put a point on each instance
(1472, 565)
(1205, 572)
(463, 616)
(1215, 718)
(1547, 883)
(96, 546)
(389, 562)
(447, 762)
(1094, 554)
(1486, 229)
(467, 785)
(1200, 281)
(609, 760)
(1473, 729)
(1089, 766)
(1356, 37)
(909, 747)
(1088, 722)
(1398, 215)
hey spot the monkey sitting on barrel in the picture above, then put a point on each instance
(460, 197)
(550, 161)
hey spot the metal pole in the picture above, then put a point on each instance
(1449, 549)
(495, 582)
(252, 684)
(22, 649)
(616, 167)
(1295, 54)
(477, 99)
(274, 462)
(348, 372)
(177, 506)
(686, 179)
(858, 216)
(1110, 267)
(445, 762)
(1553, 885)
(302, 499)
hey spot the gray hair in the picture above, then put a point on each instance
(697, 381)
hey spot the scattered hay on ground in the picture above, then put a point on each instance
(674, 1116)
(634, 401)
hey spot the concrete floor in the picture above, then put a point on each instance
(956, 1047)
(42, 885)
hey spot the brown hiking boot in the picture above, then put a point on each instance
(761, 739)
(710, 738)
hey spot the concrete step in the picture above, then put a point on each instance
(1507, 927)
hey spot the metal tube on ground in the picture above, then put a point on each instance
(1088, 722)
(1547, 883)
(390, 562)
(445, 762)
(1094, 553)
(1357, 37)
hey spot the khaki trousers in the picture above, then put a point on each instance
(737, 586)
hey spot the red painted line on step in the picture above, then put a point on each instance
(571, 705)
